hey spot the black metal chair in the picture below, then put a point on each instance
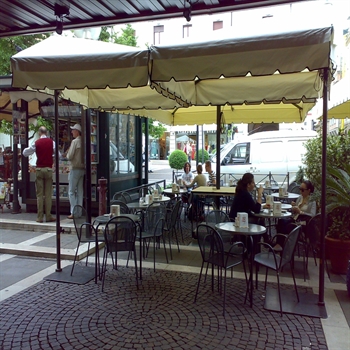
(86, 233)
(170, 225)
(127, 197)
(212, 250)
(271, 260)
(119, 197)
(119, 234)
(312, 238)
(153, 230)
(124, 209)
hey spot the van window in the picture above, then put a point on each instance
(271, 152)
(239, 154)
(295, 150)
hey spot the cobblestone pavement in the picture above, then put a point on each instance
(160, 315)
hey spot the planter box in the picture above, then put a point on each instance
(339, 254)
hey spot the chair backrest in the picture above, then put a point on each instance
(216, 216)
(127, 197)
(88, 233)
(212, 249)
(291, 186)
(175, 214)
(119, 197)
(295, 189)
(159, 227)
(120, 234)
(124, 209)
(289, 246)
(208, 243)
(313, 230)
(79, 218)
(154, 213)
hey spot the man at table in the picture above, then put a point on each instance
(187, 176)
(211, 173)
(199, 180)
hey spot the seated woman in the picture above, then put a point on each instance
(199, 180)
(303, 209)
(243, 200)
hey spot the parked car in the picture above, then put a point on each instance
(278, 152)
(118, 161)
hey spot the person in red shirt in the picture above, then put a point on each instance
(44, 148)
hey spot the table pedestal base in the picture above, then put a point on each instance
(307, 305)
(81, 275)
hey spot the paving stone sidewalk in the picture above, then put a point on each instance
(160, 315)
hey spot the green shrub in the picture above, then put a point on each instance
(177, 159)
(338, 155)
(203, 153)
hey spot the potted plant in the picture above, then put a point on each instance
(177, 160)
(338, 218)
(337, 195)
(203, 156)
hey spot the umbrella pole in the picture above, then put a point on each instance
(57, 177)
(218, 133)
(323, 186)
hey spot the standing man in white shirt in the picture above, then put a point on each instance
(77, 170)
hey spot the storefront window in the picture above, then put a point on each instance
(122, 143)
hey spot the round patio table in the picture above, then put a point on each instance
(254, 231)
(270, 215)
(169, 191)
(287, 198)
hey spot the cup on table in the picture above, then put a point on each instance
(115, 210)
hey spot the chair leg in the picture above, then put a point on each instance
(87, 256)
(224, 293)
(136, 272)
(75, 258)
(198, 283)
(104, 267)
(166, 254)
(295, 285)
(279, 292)
(177, 240)
(267, 270)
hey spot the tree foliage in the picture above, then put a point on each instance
(6, 127)
(155, 130)
(11, 45)
(203, 155)
(338, 155)
(127, 36)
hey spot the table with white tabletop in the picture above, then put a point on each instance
(270, 215)
(164, 199)
(169, 191)
(289, 197)
(254, 231)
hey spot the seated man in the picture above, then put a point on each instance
(211, 173)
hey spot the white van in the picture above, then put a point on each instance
(278, 152)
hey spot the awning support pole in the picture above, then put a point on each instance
(323, 186)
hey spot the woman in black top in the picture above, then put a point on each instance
(243, 200)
